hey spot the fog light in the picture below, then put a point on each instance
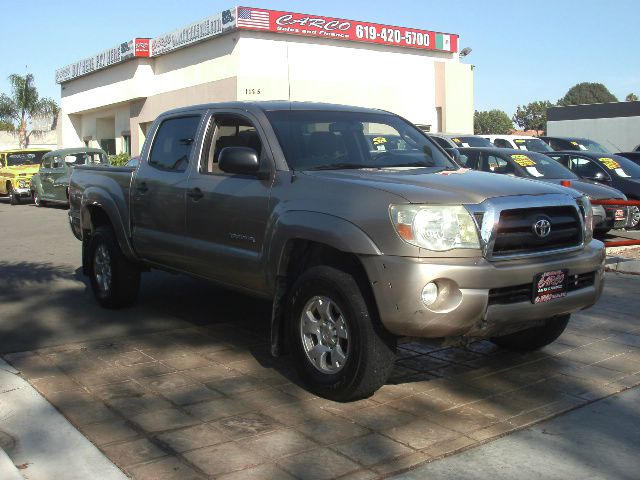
(429, 294)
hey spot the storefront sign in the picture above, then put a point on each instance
(124, 51)
(328, 27)
(201, 30)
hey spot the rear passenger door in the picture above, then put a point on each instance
(227, 213)
(159, 192)
(45, 177)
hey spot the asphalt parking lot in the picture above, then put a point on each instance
(182, 384)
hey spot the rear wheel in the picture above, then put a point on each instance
(115, 281)
(634, 217)
(340, 349)
(535, 337)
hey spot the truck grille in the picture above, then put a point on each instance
(515, 233)
(522, 293)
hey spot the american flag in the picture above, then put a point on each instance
(251, 18)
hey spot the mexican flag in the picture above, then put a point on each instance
(443, 42)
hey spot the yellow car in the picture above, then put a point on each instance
(16, 169)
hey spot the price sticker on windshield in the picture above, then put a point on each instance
(610, 163)
(457, 141)
(523, 161)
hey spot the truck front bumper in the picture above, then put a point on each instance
(478, 298)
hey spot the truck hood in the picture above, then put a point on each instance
(592, 189)
(455, 187)
(26, 170)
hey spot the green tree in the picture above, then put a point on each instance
(23, 104)
(492, 122)
(632, 97)
(6, 126)
(584, 93)
(532, 116)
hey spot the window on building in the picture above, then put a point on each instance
(229, 131)
(173, 143)
(108, 145)
(126, 143)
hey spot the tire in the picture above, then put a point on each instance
(535, 337)
(634, 215)
(37, 200)
(358, 352)
(14, 199)
(115, 281)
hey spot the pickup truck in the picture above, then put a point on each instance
(358, 248)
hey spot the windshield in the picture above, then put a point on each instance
(532, 144)
(30, 158)
(320, 139)
(589, 145)
(620, 166)
(85, 158)
(537, 165)
(471, 142)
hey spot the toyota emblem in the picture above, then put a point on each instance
(542, 228)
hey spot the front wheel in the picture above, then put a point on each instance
(37, 200)
(535, 337)
(340, 349)
(14, 198)
(115, 281)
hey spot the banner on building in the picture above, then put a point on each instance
(259, 19)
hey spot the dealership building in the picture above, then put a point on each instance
(615, 125)
(110, 99)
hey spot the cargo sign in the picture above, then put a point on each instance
(106, 58)
(339, 29)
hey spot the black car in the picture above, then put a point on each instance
(538, 166)
(456, 141)
(633, 156)
(611, 170)
(574, 143)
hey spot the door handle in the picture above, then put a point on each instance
(195, 193)
(142, 187)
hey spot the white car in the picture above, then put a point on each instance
(519, 142)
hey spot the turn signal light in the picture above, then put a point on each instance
(565, 183)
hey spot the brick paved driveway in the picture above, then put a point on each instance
(210, 402)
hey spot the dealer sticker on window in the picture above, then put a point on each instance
(523, 160)
(610, 163)
(548, 286)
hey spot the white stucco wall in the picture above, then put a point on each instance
(619, 134)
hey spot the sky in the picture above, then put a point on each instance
(522, 51)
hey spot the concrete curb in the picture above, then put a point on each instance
(8, 471)
(623, 265)
(45, 442)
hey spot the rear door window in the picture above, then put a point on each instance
(173, 143)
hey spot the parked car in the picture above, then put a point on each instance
(612, 170)
(448, 142)
(574, 143)
(16, 169)
(51, 183)
(633, 156)
(354, 246)
(536, 166)
(519, 142)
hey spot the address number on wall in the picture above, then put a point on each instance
(252, 91)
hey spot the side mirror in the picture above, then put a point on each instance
(455, 154)
(600, 177)
(242, 160)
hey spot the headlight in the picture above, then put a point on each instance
(587, 212)
(437, 228)
(22, 183)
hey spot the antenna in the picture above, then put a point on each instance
(288, 75)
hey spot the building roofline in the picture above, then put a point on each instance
(593, 111)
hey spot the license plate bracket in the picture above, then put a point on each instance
(549, 286)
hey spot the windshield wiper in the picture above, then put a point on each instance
(340, 166)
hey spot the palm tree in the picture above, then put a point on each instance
(23, 105)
